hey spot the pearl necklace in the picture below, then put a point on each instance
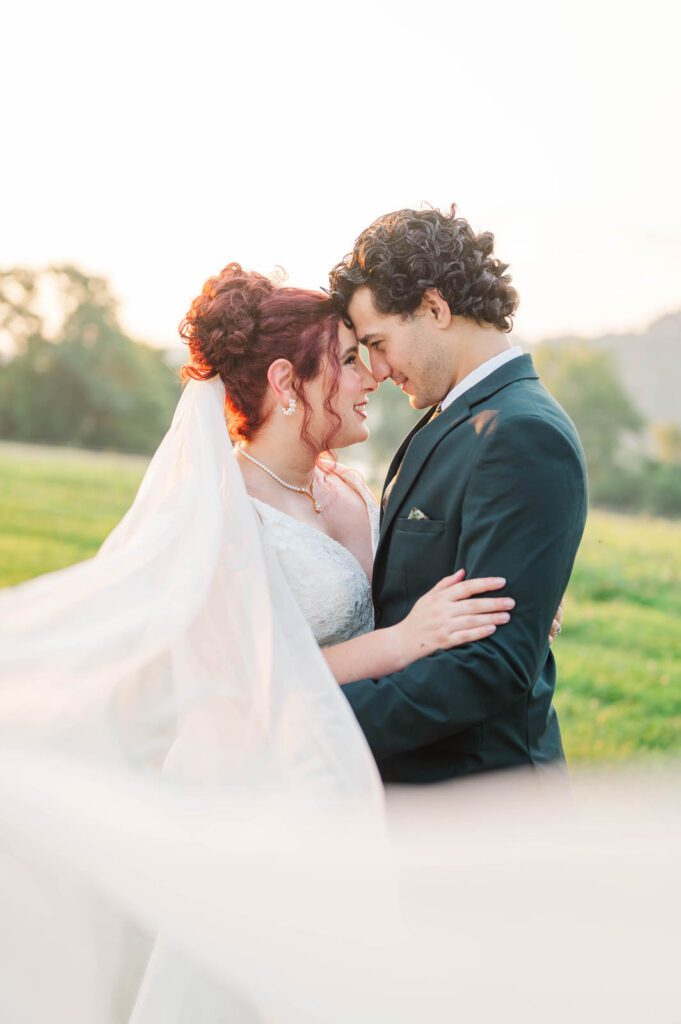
(291, 487)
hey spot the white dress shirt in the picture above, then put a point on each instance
(479, 373)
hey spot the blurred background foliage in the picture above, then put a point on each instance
(71, 380)
(70, 375)
(633, 463)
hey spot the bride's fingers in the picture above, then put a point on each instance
(476, 606)
(449, 581)
(473, 621)
(469, 588)
(467, 636)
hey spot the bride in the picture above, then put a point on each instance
(295, 389)
(199, 647)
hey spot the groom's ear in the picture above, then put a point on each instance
(436, 308)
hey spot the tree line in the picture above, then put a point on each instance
(71, 376)
(633, 465)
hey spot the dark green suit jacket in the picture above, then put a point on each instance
(501, 476)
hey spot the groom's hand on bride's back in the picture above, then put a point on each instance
(557, 624)
(452, 613)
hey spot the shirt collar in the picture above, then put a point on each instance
(479, 373)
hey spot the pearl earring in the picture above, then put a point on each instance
(291, 407)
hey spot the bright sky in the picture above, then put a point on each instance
(155, 142)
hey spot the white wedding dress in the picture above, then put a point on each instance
(334, 594)
(328, 583)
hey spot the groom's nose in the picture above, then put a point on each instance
(380, 367)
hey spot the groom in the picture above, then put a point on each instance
(492, 480)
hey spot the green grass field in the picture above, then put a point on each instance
(619, 658)
(57, 505)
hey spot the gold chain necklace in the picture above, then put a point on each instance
(291, 487)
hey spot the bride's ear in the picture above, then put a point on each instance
(280, 379)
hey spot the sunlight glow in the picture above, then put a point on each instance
(154, 145)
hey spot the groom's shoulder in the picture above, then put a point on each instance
(527, 401)
(509, 413)
(524, 416)
(542, 405)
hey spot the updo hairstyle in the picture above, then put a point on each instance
(240, 323)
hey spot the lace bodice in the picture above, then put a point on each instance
(327, 581)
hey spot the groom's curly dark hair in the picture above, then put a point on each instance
(403, 254)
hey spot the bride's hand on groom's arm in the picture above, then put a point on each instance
(451, 614)
(447, 616)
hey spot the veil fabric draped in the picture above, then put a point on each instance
(181, 776)
(175, 658)
(179, 644)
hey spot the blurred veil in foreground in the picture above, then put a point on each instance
(491, 903)
(192, 828)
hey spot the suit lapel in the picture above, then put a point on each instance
(417, 447)
(394, 467)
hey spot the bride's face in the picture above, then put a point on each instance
(349, 403)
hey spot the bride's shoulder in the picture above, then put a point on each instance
(351, 478)
(352, 503)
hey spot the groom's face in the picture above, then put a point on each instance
(409, 351)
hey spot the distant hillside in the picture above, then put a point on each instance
(649, 364)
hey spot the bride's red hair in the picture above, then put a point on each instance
(240, 323)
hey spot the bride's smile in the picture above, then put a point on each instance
(355, 384)
(338, 396)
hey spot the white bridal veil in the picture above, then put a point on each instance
(179, 645)
(176, 655)
(191, 821)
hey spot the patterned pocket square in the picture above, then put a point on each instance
(416, 513)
